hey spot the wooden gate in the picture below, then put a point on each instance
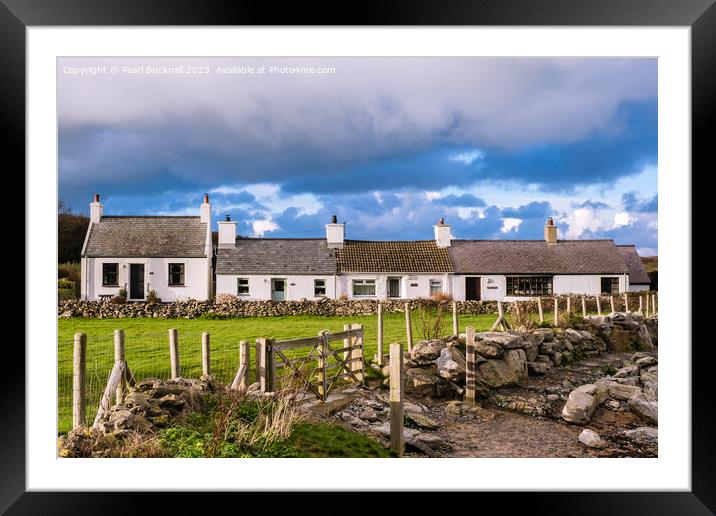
(317, 370)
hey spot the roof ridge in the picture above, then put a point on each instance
(151, 216)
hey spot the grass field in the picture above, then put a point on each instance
(147, 345)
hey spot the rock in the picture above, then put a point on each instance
(451, 364)
(516, 361)
(557, 358)
(632, 370)
(644, 337)
(384, 430)
(353, 420)
(427, 351)
(504, 340)
(172, 402)
(651, 384)
(545, 334)
(645, 407)
(432, 440)
(486, 350)
(422, 421)
(631, 380)
(413, 408)
(368, 414)
(646, 362)
(590, 438)
(614, 404)
(623, 392)
(600, 390)
(498, 373)
(453, 408)
(643, 434)
(531, 353)
(553, 397)
(161, 420)
(579, 407)
(573, 336)
(538, 367)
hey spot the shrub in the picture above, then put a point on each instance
(441, 296)
(609, 369)
(65, 294)
(152, 298)
(122, 293)
(64, 283)
(118, 300)
(431, 323)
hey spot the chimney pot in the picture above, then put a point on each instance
(206, 197)
(228, 218)
(96, 197)
(334, 219)
(442, 220)
(550, 232)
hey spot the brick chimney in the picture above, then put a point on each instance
(96, 209)
(227, 232)
(335, 233)
(443, 236)
(550, 232)
(205, 210)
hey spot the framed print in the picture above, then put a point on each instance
(268, 249)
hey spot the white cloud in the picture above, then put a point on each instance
(262, 226)
(469, 157)
(431, 196)
(623, 218)
(510, 224)
(647, 251)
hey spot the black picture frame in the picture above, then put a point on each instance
(700, 15)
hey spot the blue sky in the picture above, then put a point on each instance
(389, 145)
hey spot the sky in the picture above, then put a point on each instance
(389, 145)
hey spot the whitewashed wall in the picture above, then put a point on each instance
(411, 285)
(638, 288)
(297, 286)
(197, 277)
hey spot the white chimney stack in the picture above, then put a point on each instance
(443, 236)
(205, 210)
(96, 209)
(227, 232)
(550, 232)
(335, 233)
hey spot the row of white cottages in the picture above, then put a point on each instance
(175, 257)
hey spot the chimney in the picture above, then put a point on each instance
(550, 232)
(443, 237)
(96, 209)
(227, 232)
(205, 210)
(335, 233)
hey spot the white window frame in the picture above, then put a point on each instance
(363, 282)
(248, 288)
(431, 283)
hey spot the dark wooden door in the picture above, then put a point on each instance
(136, 281)
(472, 289)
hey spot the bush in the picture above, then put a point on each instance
(152, 298)
(441, 296)
(65, 294)
(609, 369)
(122, 293)
(64, 283)
(118, 300)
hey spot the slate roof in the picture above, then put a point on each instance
(393, 256)
(637, 272)
(147, 236)
(276, 256)
(537, 257)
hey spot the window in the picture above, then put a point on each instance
(364, 287)
(110, 274)
(529, 285)
(319, 287)
(436, 287)
(610, 285)
(176, 274)
(242, 288)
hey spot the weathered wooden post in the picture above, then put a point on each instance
(646, 305)
(119, 355)
(408, 327)
(611, 299)
(540, 310)
(455, 322)
(653, 304)
(626, 302)
(270, 365)
(356, 354)
(241, 380)
(261, 369)
(174, 353)
(322, 359)
(79, 387)
(380, 335)
(599, 304)
(584, 307)
(470, 359)
(396, 398)
(205, 354)
(641, 305)
(569, 305)
(556, 311)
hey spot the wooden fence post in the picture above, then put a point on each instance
(626, 302)
(455, 322)
(470, 360)
(408, 327)
(540, 309)
(322, 363)
(556, 311)
(270, 365)
(119, 355)
(584, 307)
(396, 398)
(611, 300)
(646, 305)
(261, 371)
(653, 304)
(205, 354)
(641, 305)
(569, 305)
(380, 334)
(79, 387)
(245, 358)
(599, 304)
(174, 353)
(357, 360)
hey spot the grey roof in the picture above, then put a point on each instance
(276, 256)
(536, 257)
(393, 256)
(147, 236)
(637, 272)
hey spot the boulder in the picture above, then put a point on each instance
(486, 350)
(544, 334)
(451, 364)
(422, 421)
(496, 373)
(539, 367)
(643, 434)
(579, 407)
(427, 351)
(573, 336)
(591, 439)
(532, 352)
(600, 390)
(644, 337)
(516, 361)
(645, 407)
(630, 370)
(623, 392)
(651, 384)
(504, 340)
(557, 358)
(646, 362)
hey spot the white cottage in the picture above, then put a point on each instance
(171, 255)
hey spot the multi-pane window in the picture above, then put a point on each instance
(529, 285)
(436, 287)
(610, 285)
(242, 286)
(364, 287)
(176, 274)
(110, 274)
(319, 287)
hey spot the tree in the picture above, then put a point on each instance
(71, 230)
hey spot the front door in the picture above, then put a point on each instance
(472, 289)
(393, 287)
(136, 281)
(278, 289)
